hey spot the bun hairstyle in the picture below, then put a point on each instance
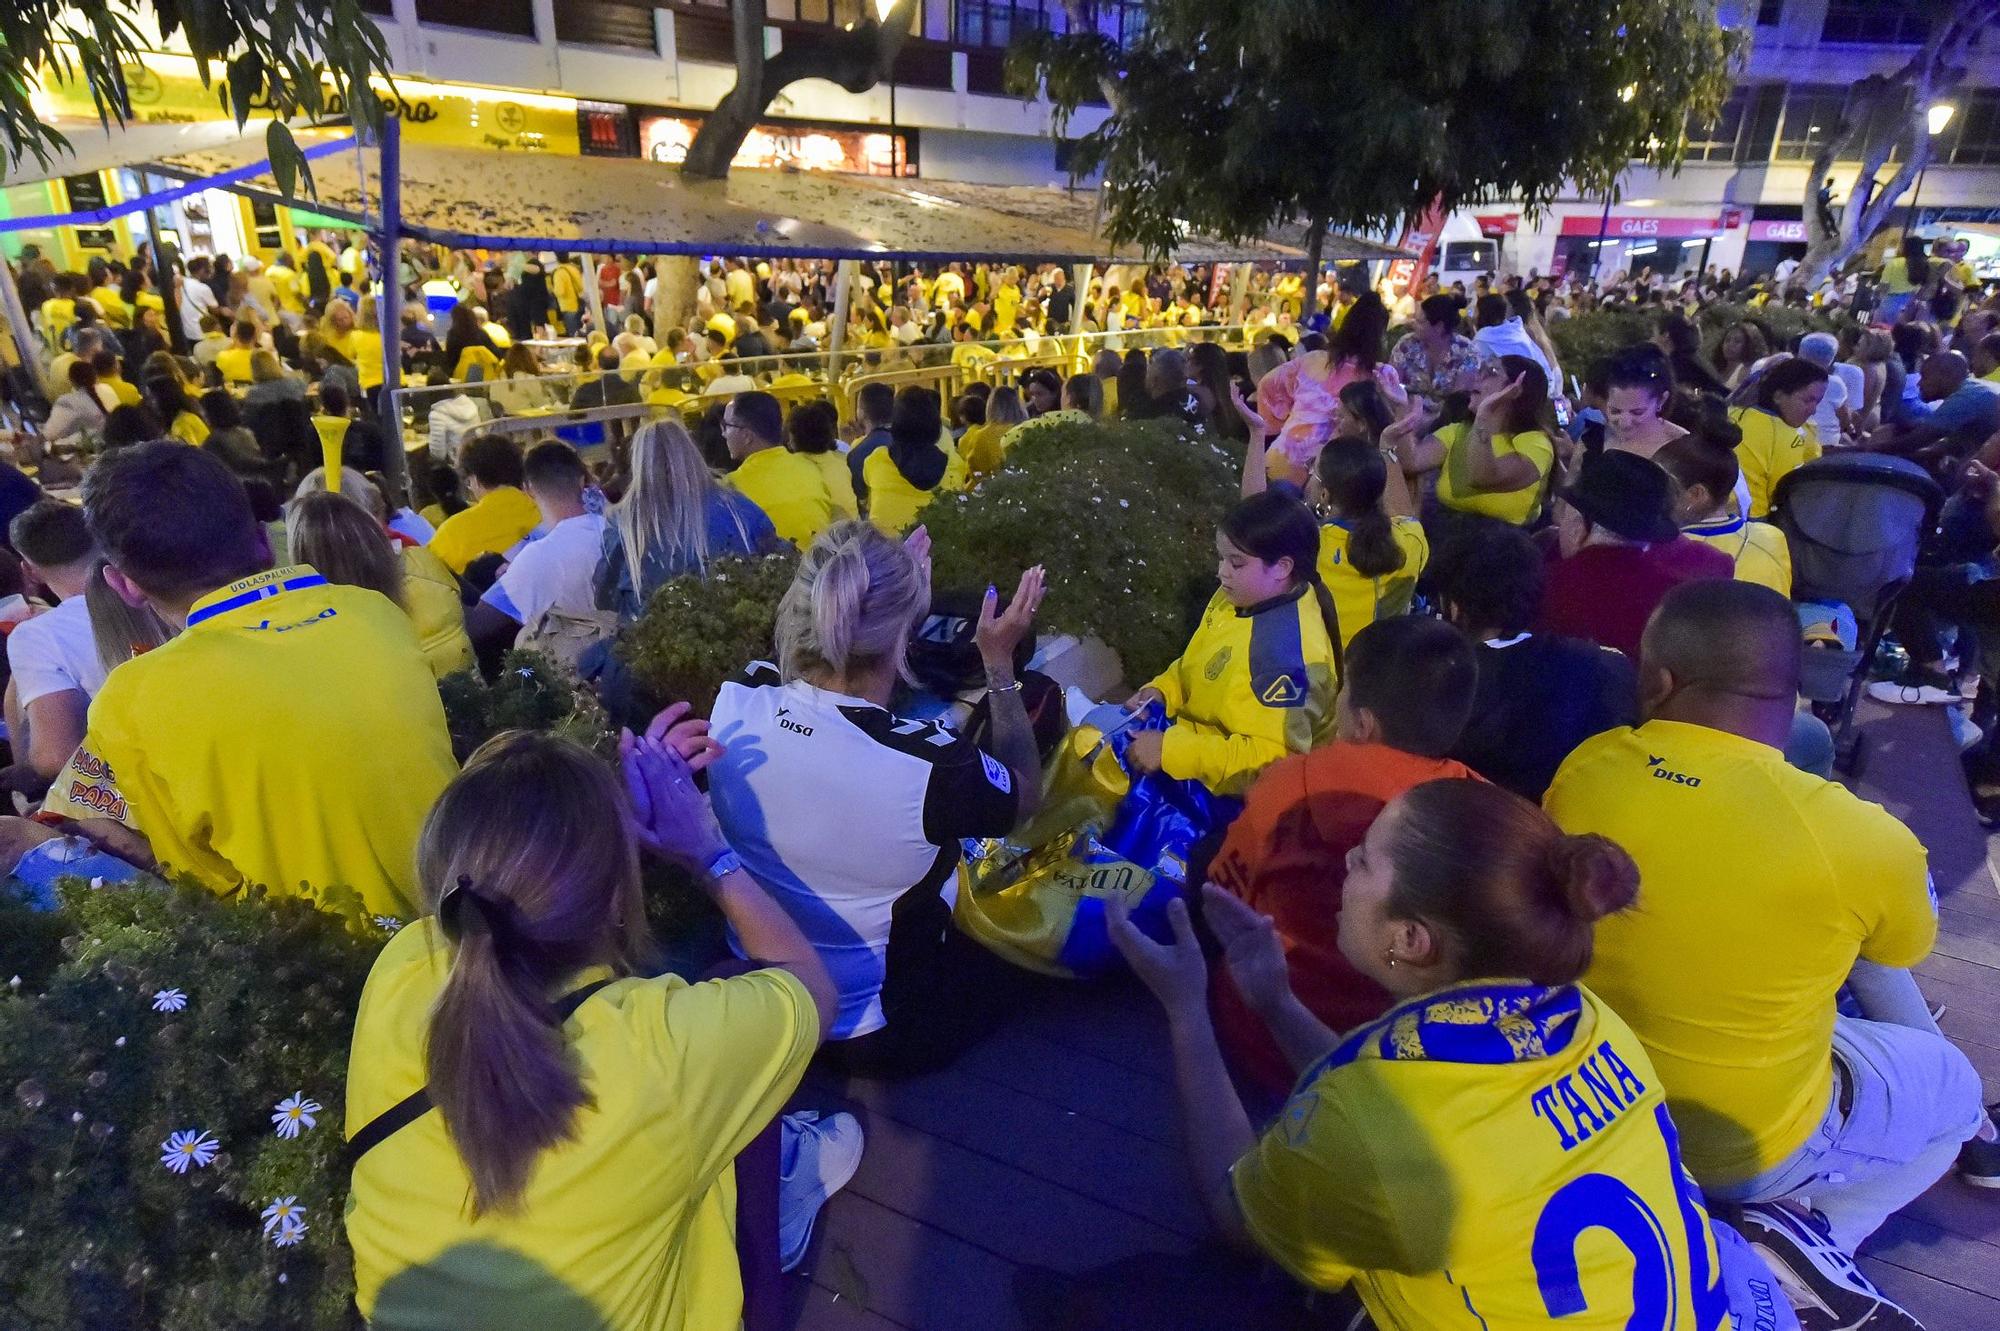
(856, 596)
(1510, 894)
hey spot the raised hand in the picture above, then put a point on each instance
(672, 815)
(1250, 948)
(1175, 972)
(999, 634)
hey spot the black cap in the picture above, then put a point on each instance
(1625, 494)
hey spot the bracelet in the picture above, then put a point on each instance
(726, 862)
(992, 688)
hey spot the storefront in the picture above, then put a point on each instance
(666, 136)
(1600, 246)
(1772, 240)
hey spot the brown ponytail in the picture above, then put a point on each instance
(1509, 893)
(530, 861)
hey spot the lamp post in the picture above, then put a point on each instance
(1939, 116)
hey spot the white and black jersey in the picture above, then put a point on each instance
(841, 810)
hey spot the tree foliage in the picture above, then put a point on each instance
(1235, 116)
(283, 57)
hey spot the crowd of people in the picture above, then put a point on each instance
(1544, 974)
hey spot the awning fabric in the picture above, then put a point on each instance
(480, 198)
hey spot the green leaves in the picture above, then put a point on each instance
(1234, 116)
(287, 59)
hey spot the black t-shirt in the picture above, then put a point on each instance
(1538, 698)
(1062, 304)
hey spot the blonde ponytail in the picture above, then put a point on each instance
(854, 600)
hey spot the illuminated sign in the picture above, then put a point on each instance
(667, 138)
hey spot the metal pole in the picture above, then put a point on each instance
(836, 336)
(22, 330)
(163, 275)
(1910, 216)
(594, 298)
(1603, 226)
(1079, 285)
(389, 310)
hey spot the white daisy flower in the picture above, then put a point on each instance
(388, 924)
(169, 1000)
(289, 1235)
(195, 1146)
(284, 1213)
(294, 1113)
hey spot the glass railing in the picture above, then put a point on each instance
(573, 402)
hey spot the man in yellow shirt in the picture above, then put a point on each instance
(787, 487)
(108, 373)
(566, 288)
(1763, 888)
(290, 736)
(501, 515)
(233, 361)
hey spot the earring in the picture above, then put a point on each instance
(1389, 957)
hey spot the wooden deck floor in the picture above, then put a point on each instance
(1037, 1184)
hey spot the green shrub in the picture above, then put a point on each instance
(531, 693)
(95, 1231)
(1123, 514)
(1582, 339)
(697, 632)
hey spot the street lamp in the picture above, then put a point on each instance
(1939, 116)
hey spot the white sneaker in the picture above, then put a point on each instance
(1824, 1285)
(816, 1157)
(1899, 694)
(1963, 732)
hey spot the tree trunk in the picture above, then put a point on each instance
(1906, 95)
(856, 58)
(1315, 247)
(674, 293)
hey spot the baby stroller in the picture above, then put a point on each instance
(1855, 522)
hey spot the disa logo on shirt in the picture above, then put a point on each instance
(785, 722)
(1661, 772)
(1217, 663)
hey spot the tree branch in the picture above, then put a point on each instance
(856, 58)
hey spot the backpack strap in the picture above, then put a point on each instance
(418, 1102)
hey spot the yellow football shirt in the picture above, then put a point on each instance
(789, 490)
(494, 525)
(1759, 886)
(1251, 687)
(58, 313)
(1760, 550)
(1456, 490)
(127, 395)
(1770, 450)
(111, 304)
(628, 1226)
(233, 362)
(894, 504)
(1385, 1170)
(189, 428)
(1359, 599)
(292, 737)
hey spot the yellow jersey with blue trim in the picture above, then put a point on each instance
(1361, 598)
(1253, 686)
(1496, 1156)
(292, 736)
(1759, 550)
(1770, 450)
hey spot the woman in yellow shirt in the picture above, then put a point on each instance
(814, 429)
(572, 1150)
(170, 403)
(1497, 464)
(342, 536)
(918, 465)
(1369, 561)
(1496, 1150)
(1258, 678)
(1706, 473)
(1775, 438)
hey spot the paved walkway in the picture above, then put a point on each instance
(1037, 1184)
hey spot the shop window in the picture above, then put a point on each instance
(1877, 22)
(606, 23)
(515, 18)
(996, 23)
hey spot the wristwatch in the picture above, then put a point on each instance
(726, 862)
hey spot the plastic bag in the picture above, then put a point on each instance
(1038, 898)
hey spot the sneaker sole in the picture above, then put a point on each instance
(1823, 1291)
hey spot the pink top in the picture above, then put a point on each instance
(1299, 408)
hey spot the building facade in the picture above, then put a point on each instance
(1740, 196)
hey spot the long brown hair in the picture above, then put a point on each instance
(1510, 894)
(533, 845)
(344, 542)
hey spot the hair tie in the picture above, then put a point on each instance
(463, 903)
